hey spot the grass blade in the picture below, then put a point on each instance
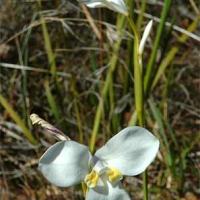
(17, 120)
(105, 89)
(159, 120)
(151, 62)
(172, 53)
(52, 102)
(47, 44)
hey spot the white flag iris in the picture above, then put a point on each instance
(128, 153)
(115, 5)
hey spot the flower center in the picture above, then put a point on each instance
(114, 175)
(91, 179)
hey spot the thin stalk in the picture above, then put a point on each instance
(114, 125)
(138, 88)
(48, 47)
(101, 40)
(145, 185)
(150, 71)
(141, 15)
(111, 100)
(101, 101)
(52, 102)
(47, 44)
(172, 53)
(104, 91)
(77, 110)
(4, 102)
(127, 81)
(23, 59)
(79, 121)
(24, 82)
(138, 82)
(163, 137)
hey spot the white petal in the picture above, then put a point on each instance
(94, 4)
(146, 33)
(115, 5)
(65, 163)
(108, 192)
(130, 151)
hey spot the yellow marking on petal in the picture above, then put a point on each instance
(114, 174)
(84, 188)
(91, 179)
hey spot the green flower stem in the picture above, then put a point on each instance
(138, 82)
(139, 93)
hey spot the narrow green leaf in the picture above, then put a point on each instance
(150, 66)
(17, 120)
(172, 53)
(159, 120)
(47, 44)
(105, 89)
(52, 102)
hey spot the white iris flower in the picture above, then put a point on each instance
(115, 5)
(128, 153)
